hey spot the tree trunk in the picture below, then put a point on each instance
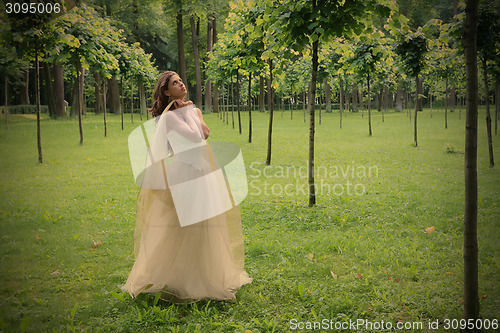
(341, 86)
(74, 98)
(181, 55)
(6, 107)
(79, 82)
(59, 90)
(261, 94)
(249, 107)
(142, 99)
(49, 88)
(25, 97)
(497, 103)
(312, 97)
(417, 80)
(232, 101)
(79, 76)
(488, 116)
(446, 104)
(104, 94)
(386, 98)
(304, 104)
(355, 96)
(131, 101)
(114, 96)
(208, 87)
(270, 107)
(122, 106)
(197, 68)
(37, 101)
(386, 102)
(369, 105)
(328, 97)
(430, 101)
(215, 90)
(238, 98)
(471, 299)
(98, 93)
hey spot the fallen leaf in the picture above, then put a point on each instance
(359, 276)
(397, 280)
(37, 237)
(55, 272)
(429, 230)
(310, 256)
(333, 275)
(96, 244)
(460, 300)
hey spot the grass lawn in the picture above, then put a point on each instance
(362, 254)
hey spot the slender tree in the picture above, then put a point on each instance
(195, 21)
(471, 299)
(488, 41)
(181, 54)
(249, 107)
(366, 55)
(303, 24)
(270, 106)
(412, 48)
(208, 84)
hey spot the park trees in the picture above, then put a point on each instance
(11, 66)
(366, 55)
(85, 39)
(303, 24)
(411, 48)
(29, 31)
(488, 42)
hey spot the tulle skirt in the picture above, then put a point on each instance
(200, 261)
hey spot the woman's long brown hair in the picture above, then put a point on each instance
(160, 99)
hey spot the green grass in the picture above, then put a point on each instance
(362, 254)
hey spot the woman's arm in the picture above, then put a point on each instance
(204, 127)
(186, 126)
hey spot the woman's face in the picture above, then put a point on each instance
(176, 88)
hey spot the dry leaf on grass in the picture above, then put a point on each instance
(429, 230)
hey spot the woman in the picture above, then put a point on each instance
(202, 260)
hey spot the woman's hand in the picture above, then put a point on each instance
(180, 104)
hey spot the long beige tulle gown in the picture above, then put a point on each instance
(204, 260)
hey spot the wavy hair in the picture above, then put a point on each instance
(160, 100)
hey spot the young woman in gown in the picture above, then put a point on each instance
(200, 261)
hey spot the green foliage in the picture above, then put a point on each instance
(411, 48)
(298, 23)
(365, 58)
(488, 30)
(82, 36)
(87, 39)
